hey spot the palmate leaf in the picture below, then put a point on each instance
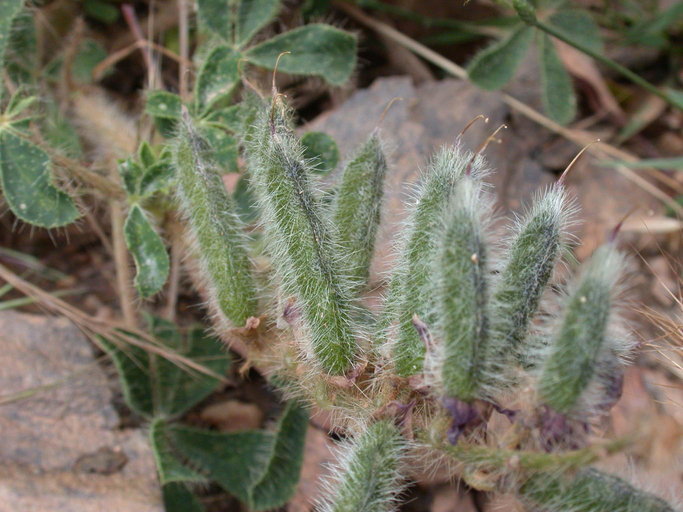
(557, 92)
(154, 387)
(149, 252)
(579, 25)
(217, 78)
(26, 181)
(322, 150)
(236, 22)
(261, 468)
(494, 66)
(316, 49)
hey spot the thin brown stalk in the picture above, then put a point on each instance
(124, 277)
(174, 275)
(183, 30)
(94, 328)
(134, 25)
(119, 55)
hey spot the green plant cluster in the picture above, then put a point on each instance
(464, 328)
(470, 332)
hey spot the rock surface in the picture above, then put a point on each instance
(62, 448)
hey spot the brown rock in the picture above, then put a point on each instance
(318, 454)
(62, 449)
(450, 499)
(232, 415)
(429, 116)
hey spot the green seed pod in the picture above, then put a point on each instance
(532, 255)
(409, 289)
(368, 477)
(300, 241)
(357, 206)
(581, 337)
(216, 228)
(589, 491)
(460, 294)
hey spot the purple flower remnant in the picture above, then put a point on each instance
(463, 415)
(557, 429)
(510, 414)
(613, 389)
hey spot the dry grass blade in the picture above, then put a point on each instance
(93, 327)
(580, 138)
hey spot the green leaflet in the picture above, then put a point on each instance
(27, 184)
(89, 54)
(581, 336)
(559, 101)
(316, 49)
(9, 9)
(322, 150)
(218, 16)
(149, 175)
(461, 275)
(178, 498)
(155, 387)
(101, 11)
(589, 491)
(578, 25)
(357, 207)
(169, 468)
(261, 468)
(237, 21)
(217, 77)
(494, 66)
(252, 16)
(229, 118)
(301, 242)
(368, 478)
(216, 227)
(223, 146)
(163, 104)
(149, 252)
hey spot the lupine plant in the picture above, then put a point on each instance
(474, 364)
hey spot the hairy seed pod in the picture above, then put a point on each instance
(589, 491)
(357, 206)
(460, 294)
(532, 255)
(301, 241)
(409, 289)
(216, 228)
(580, 338)
(368, 477)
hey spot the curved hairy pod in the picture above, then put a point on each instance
(582, 335)
(460, 294)
(409, 289)
(532, 255)
(358, 204)
(216, 228)
(589, 491)
(368, 477)
(301, 242)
